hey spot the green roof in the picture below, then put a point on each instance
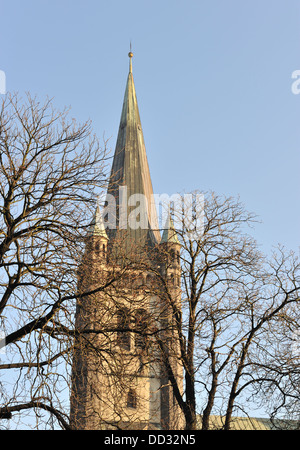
(251, 423)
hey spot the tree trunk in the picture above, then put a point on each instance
(210, 404)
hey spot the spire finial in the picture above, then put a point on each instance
(130, 54)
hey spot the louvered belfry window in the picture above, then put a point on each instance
(123, 323)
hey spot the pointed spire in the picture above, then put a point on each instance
(97, 227)
(130, 169)
(169, 234)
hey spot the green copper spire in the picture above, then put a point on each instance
(130, 171)
(97, 227)
(169, 234)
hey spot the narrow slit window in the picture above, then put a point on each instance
(131, 399)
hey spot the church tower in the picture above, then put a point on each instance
(123, 316)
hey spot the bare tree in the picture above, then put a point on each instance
(50, 171)
(230, 333)
(268, 369)
(232, 300)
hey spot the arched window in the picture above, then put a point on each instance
(123, 323)
(131, 399)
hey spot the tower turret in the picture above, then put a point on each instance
(171, 246)
(97, 237)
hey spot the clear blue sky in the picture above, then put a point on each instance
(213, 81)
